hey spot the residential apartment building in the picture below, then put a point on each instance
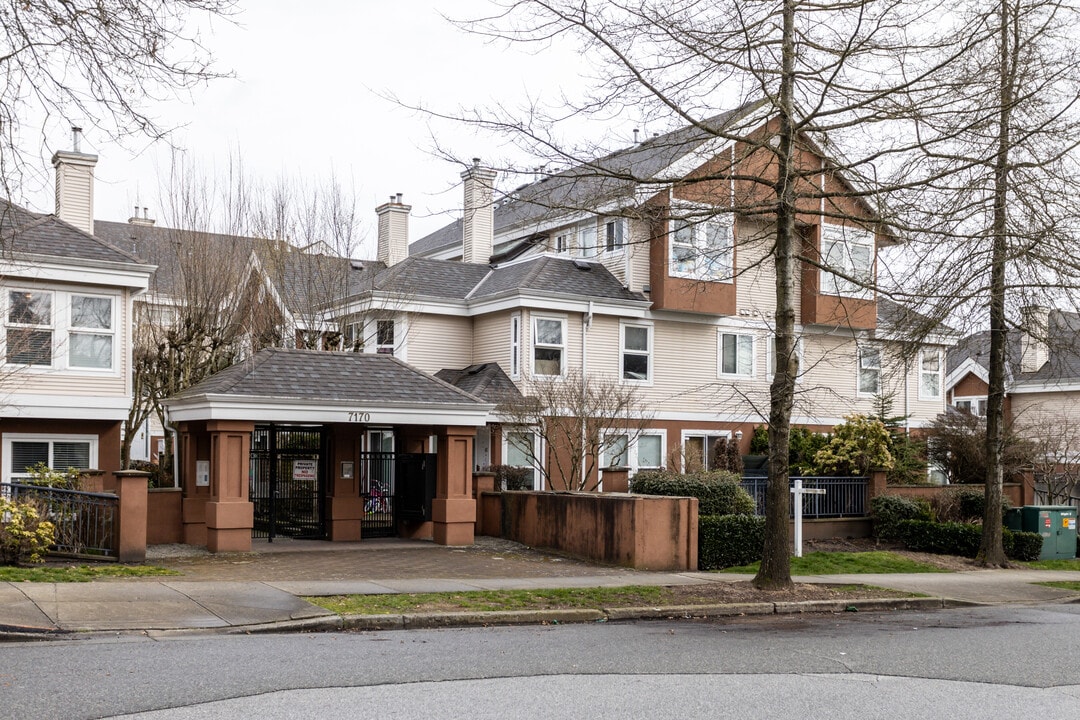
(67, 297)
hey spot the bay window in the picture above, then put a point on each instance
(850, 251)
(702, 249)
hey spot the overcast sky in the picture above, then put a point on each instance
(305, 102)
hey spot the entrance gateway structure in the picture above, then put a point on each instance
(305, 443)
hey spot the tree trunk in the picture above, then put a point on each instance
(991, 550)
(775, 569)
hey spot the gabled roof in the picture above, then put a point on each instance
(593, 185)
(41, 235)
(904, 322)
(486, 381)
(424, 277)
(314, 375)
(1063, 352)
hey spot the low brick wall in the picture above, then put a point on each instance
(638, 531)
(1016, 493)
(163, 518)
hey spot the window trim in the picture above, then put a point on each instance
(720, 333)
(51, 438)
(515, 346)
(975, 400)
(693, 432)
(846, 236)
(50, 327)
(859, 368)
(562, 346)
(939, 373)
(72, 329)
(633, 459)
(623, 351)
(699, 245)
(614, 241)
(381, 347)
(537, 449)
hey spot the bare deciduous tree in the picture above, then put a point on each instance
(100, 62)
(579, 420)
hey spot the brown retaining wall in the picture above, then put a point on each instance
(638, 531)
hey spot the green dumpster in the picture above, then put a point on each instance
(1056, 524)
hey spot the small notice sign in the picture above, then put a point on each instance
(303, 470)
(1046, 522)
(1069, 523)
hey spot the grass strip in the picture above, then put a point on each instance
(1053, 564)
(1062, 584)
(79, 573)
(845, 563)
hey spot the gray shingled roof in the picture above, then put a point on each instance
(901, 319)
(560, 276)
(1063, 346)
(329, 376)
(486, 381)
(591, 185)
(431, 278)
(22, 231)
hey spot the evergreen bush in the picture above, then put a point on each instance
(718, 492)
(729, 540)
(887, 511)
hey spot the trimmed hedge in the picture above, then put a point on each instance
(964, 539)
(888, 510)
(729, 540)
(718, 493)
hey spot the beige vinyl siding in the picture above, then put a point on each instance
(1051, 417)
(755, 282)
(435, 342)
(491, 339)
(639, 239)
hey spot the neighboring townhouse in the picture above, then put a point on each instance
(1042, 384)
(65, 376)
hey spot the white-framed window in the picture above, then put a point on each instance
(384, 337)
(563, 242)
(515, 346)
(549, 346)
(586, 239)
(770, 357)
(702, 249)
(636, 362)
(521, 449)
(646, 452)
(930, 374)
(59, 452)
(851, 252)
(353, 337)
(698, 448)
(91, 333)
(869, 371)
(29, 327)
(735, 354)
(972, 405)
(614, 235)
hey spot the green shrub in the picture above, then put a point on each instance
(960, 504)
(510, 477)
(729, 540)
(943, 538)
(44, 476)
(718, 492)
(888, 510)
(857, 446)
(159, 476)
(1022, 546)
(24, 535)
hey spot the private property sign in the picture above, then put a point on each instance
(303, 470)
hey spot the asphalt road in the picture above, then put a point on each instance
(1004, 662)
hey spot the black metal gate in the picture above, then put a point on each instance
(288, 481)
(395, 487)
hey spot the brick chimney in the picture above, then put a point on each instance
(393, 231)
(1034, 340)
(75, 184)
(478, 222)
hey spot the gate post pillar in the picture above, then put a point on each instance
(230, 516)
(454, 510)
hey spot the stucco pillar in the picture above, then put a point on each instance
(454, 510)
(616, 479)
(131, 489)
(344, 506)
(230, 516)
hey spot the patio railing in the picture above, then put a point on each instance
(844, 496)
(86, 523)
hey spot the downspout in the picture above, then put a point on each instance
(585, 325)
(175, 447)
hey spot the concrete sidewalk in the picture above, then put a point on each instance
(265, 589)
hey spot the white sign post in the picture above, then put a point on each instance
(798, 491)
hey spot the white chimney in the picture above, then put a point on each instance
(478, 222)
(1034, 337)
(393, 231)
(144, 219)
(75, 185)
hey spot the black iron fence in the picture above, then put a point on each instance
(86, 523)
(844, 496)
(378, 490)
